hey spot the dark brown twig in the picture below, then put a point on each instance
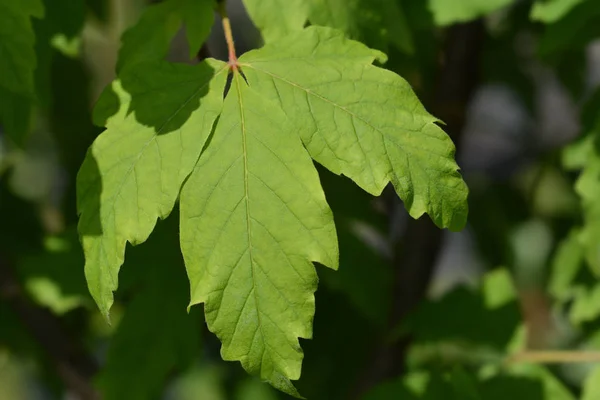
(415, 258)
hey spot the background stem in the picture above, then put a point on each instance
(228, 36)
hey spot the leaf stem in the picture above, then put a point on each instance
(554, 357)
(233, 61)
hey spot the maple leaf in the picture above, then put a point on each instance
(253, 214)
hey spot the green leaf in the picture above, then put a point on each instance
(133, 172)
(198, 18)
(361, 121)
(550, 11)
(565, 266)
(591, 388)
(54, 278)
(586, 305)
(15, 115)
(588, 188)
(151, 37)
(584, 155)
(277, 18)
(574, 31)
(16, 44)
(576, 155)
(253, 217)
(253, 213)
(377, 23)
(374, 22)
(448, 12)
(498, 289)
(17, 65)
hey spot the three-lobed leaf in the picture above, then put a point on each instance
(253, 214)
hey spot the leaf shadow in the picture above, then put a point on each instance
(157, 94)
(155, 89)
(88, 193)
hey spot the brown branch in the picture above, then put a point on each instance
(73, 365)
(415, 259)
(233, 61)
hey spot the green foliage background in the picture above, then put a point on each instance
(510, 306)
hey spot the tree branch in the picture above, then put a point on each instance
(415, 258)
(554, 357)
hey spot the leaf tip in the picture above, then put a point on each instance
(104, 304)
(380, 56)
(106, 315)
(282, 383)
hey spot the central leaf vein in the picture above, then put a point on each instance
(247, 197)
